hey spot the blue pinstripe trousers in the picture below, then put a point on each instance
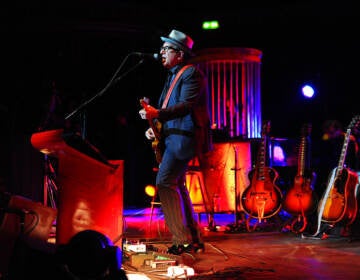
(175, 200)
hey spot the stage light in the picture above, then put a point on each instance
(308, 91)
(213, 24)
(150, 190)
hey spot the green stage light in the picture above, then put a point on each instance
(213, 24)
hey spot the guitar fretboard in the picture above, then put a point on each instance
(343, 153)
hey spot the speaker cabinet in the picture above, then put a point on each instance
(23, 217)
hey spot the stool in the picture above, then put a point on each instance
(152, 205)
(153, 200)
(194, 182)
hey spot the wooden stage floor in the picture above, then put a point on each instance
(267, 251)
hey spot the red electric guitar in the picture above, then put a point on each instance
(262, 198)
(156, 126)
(301, 200)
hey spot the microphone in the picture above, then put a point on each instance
(147, 55)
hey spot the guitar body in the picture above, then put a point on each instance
(301, 198)
(340, 204)
(157, 144)
(262, 198)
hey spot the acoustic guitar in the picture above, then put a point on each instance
(339, 203)
(157, 144)
(301, 200)
(262, 198)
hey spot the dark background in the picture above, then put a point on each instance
(75, 48)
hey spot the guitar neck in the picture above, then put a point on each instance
(261, 161)
(304, 148)
(343, 153)
(301, 159)
(261, 156)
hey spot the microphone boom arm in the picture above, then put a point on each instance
(112, 82)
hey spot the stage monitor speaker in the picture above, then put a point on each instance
(23, 217)
(90, 193)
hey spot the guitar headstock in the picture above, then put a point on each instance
(266, 128)
(144, 102)
(355, 122)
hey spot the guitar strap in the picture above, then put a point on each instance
(166, 100)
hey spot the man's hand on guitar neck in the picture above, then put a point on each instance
(149, 113)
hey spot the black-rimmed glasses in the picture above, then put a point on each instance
(166, 48)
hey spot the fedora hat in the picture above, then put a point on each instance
(181, 40)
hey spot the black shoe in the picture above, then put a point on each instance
(195, 248)
(191, 248)
(176, 249)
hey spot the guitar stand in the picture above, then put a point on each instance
(50, 187)
(239, 225)
(325, 233)
(298, 224)
(238, 216)
(249, 227)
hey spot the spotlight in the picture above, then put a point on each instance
(150, 190)
(308, 91)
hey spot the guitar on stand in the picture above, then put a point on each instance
(338, 204)
(262, 198)
(301, 199)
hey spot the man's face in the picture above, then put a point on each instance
(170, 55)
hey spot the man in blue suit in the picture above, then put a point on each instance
(184, 134)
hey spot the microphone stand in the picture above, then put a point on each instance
(115, 78)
